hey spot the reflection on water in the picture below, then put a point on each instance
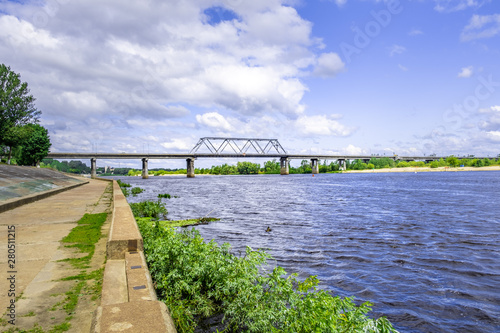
(423, 248)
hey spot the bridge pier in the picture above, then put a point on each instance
(190, 167)
(145, 173)
(315, 166)
(285, 166)
(342, 165)
(93, 168)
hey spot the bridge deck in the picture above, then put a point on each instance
(229, 155)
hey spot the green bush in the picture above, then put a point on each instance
(164, 195)
(123, 184)
(148, 208)
(199, 280)
(403, 164)
(137, 190)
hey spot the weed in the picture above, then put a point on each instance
(199, 280)
(149, 209)
(123, 184)
(136, 190)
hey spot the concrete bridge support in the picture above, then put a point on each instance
(93, 168)
(315, 166)
(145, 173)
(285, 166)
(190, 167)
(342, 165)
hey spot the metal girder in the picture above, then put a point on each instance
(239, 145)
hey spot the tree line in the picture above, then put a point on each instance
(22, 138)
(273, 166)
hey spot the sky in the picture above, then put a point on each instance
(321, 76)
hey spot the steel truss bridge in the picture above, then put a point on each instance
(234, 148)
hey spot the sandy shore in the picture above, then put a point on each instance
(427, 169)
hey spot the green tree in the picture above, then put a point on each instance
(272, 167)
(13, 137)
(247, 168)
(17, 106)
(453, 161)
(36, 146)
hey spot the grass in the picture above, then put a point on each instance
(84, 237)
(177, 223)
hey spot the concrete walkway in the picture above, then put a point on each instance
(39, 228)
(34, 280)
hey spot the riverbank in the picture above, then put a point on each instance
(65, 268)
(427, 169)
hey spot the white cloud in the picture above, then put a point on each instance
(480, 27)
(329, 65)
(494, 135)
(415, 32)
(353, 150)
(403, 68)
(215, 121)
(140, 65)
(340, 2)
(321, 125)
(178, 144)
(396, 49)
(448, 6)
(466, 72)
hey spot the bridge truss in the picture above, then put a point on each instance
(239, 145)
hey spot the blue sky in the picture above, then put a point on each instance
(343, 76)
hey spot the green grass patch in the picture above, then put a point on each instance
(177, 223)
(88, 231)
(84, 237)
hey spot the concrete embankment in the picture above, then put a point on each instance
(128, 301)
(22, 185)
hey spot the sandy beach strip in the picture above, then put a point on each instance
(428, 169)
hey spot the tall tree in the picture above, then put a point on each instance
(36, 146)
(17, 106)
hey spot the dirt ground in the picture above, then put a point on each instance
(39, 228)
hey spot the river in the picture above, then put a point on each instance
(424, 248)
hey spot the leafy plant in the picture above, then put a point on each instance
(123, 184)
(199, 280)
(164, 195)
(137, 190)
(148, 208)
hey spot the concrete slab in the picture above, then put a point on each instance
(114, 284)
(135, 317)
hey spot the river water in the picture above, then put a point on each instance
(424, 248)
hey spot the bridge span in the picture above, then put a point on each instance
(238, 148)
(190, 158)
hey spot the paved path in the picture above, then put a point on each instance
(39, 227)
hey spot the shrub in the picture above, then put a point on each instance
(199, 280)
(123, 184)
(403, 164)
(149, 208)
(137, 190)
(164, 195)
